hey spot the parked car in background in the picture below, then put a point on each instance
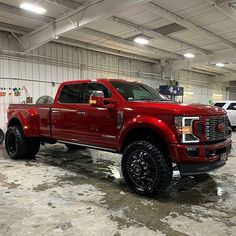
(230, 107)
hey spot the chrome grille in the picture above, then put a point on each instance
(211, 128)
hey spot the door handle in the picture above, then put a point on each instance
(81, 113)
(55, 111)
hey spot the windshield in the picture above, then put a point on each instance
(132, 91)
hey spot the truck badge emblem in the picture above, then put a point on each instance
(220, 127)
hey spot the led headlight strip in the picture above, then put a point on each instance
(185, 127)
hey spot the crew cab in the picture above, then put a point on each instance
(126, 117)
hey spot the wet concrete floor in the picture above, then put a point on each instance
(65, 192)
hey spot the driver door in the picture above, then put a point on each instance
(97, 125)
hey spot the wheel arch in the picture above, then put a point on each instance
(27, 120)
(146, 133)
(14, 122)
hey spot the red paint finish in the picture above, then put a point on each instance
(99, 126)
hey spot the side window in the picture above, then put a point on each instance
(96, 87)
(71, 93)
(232, 106)
(140, 94)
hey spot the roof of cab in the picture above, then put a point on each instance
(96, 80)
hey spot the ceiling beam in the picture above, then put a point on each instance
(75, 19)
(160, 53)
(142, 30)
(160, 11)
(228, 56)
(90, 46)
(211, 69)
(102, 49)
(224, 8)
(19, 13)
(204, 72)
(13, 28)
(84, 45)
(66, 3)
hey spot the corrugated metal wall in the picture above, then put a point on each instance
(200, 88)
(45, 68)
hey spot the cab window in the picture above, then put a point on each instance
(71, 93)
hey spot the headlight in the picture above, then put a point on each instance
(185, 127)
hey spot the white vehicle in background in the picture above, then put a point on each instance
(230, 107)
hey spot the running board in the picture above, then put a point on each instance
(89, 146)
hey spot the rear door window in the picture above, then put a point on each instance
(219, 104)
(232, 106)
(72, 93)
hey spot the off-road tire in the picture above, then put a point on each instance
(154, 161)
(17, 145)
(74, 147)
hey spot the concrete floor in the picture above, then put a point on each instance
(82, 193)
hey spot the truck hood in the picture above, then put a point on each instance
(182, 109)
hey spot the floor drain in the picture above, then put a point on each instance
(1, 136)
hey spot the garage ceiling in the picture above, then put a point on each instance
(205, 28)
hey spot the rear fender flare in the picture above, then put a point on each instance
(29, 122)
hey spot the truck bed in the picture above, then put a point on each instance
(35, 117)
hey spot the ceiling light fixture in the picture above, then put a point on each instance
(33, 8)
(141, 40)
(220, 64)
(189, 55)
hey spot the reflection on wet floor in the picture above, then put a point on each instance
(204, 205)
(104, 172)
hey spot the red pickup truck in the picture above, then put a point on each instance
(126, 117)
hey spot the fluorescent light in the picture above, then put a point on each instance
(189, 55)
(217, 95)
(220, 64)
(33, 8)
(141, 40)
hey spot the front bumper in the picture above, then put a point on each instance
(200, 158)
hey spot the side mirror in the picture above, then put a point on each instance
(97, 99)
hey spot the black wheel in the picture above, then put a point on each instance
(146, 171)
(74, 147)
(1, 136)
(17, 145)
(34, 147)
